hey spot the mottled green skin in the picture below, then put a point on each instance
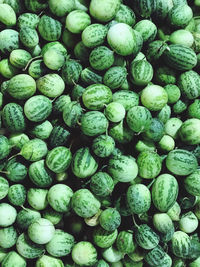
(115, 112)
(17, 194)
(192, 183)
(104, 11)
(154, 97)
(96, 96)
(123, 168)
(194, 109)
(155, 50)
(21, 86)
(49, 28)
(189, 131)
(121, 133)
(35, 5)
(173, 92)
(62, 7)
(138, 198)
(155, 256)
(94, 35)
(180, 57)
(103, 146)
(89, 77)
(162, 8)
(83, 163)
(8, 214)
(8, 237)
(9, 40)
(94, 123)
(139, 119)
(142, 72)
(180, 106)
(18, 140)
(51, 85)
(38, 108)
(13, 259)
(127, 98)
(125, 15)
(46, 260)
(147, 28)
(60, 103)
(115, 77)
(103, 238)
(72, 114)
(37, 69)
(54, 59)
(19, 58)
(110, 219)
(164, 114)
(4, 186)
(5, 147)
(26, 216)
(122, 39)
(155, 132)
(162, 222)
(28, 20)
(37, 198)
(55, 45)
(84, 254)
(181, 162)
(16, 171)
(101, 58)
(189, 84)
(144, 8)
(41, 231)
(39, 174)
(125, 242)
(17, 5)
(146, 237)
(28, 249)
(13, 118)
(165, 75)
(71, 71)
(42, 130)
(181, 244)
(59, 197)
(77, 21)
(59, 136)
(58, 159)
(61, 244)
(164, 192)
(180, 15)
(7, 70)
(149, 164)
(84, 203)
(29, 37)
(34, 150)
(101, 184)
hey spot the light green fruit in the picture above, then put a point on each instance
(41, 231)
(84, 254)
(104, 10)
(115, 112)
(61, 7)
(183, 37)
(188, 222)
(7, 70)
(154, 97)
(37, 198)
(77, 21)
(167, 143)
(8, 214)
(121, 39)
(4, 187)
(53, 59)
(7, 15)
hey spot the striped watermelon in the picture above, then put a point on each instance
(125, 242)
(84, 203)
(164, 192)
(180, 57)
(181, 244)
(28, 20)
(8, 237)
(39, 174)
(29, 37)
(189, 84)
(192, 183)
(13, 257)
(103, 238)
(27, 249)
(146, 237)
(49, 28)
(83, 163)
(89, 77)
(13, 118)
(181, 162)
(142, 72)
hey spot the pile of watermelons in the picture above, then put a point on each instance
(99, 133)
